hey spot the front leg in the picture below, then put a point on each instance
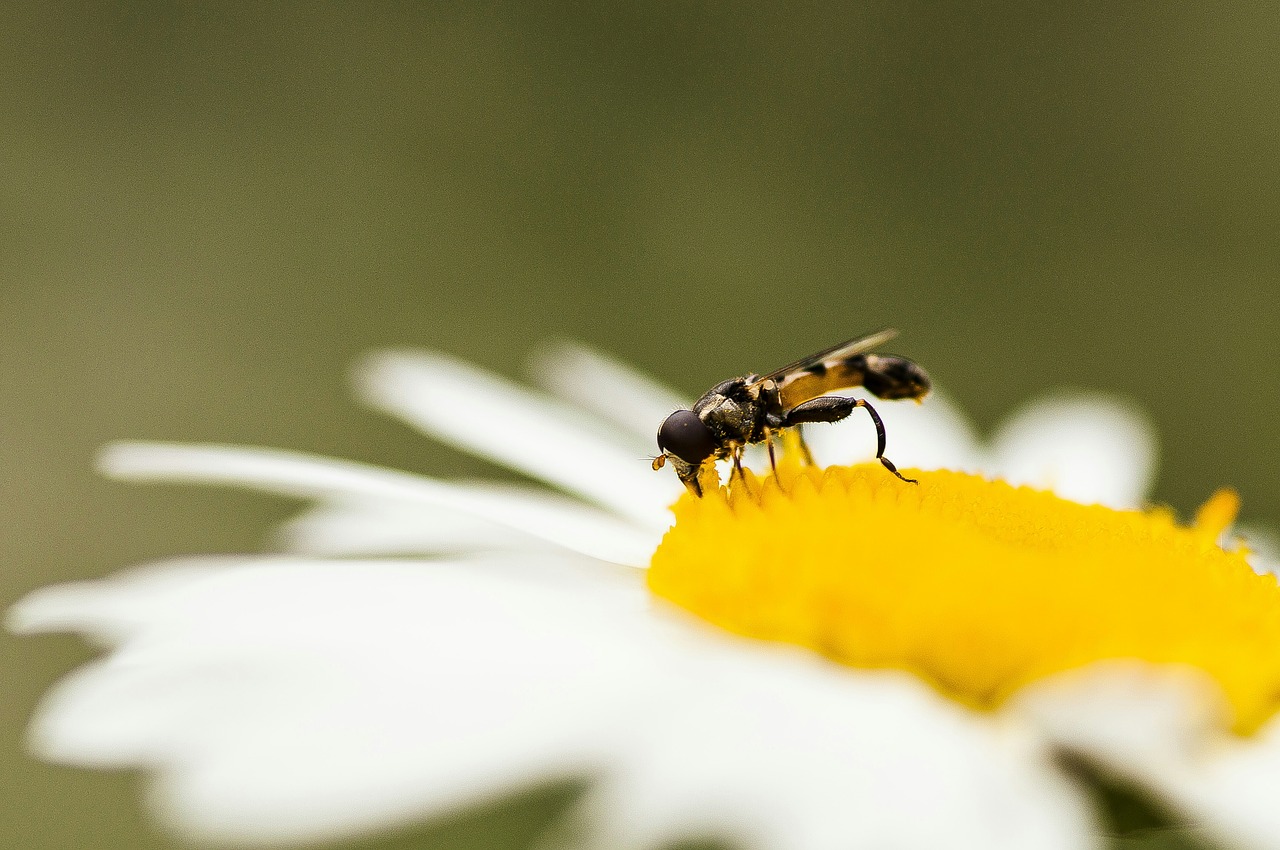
(835, 408)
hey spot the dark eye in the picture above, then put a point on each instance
(684, 435)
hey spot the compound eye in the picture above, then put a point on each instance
(684, 435)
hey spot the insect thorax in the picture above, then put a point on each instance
(735, 412)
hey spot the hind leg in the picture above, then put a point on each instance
(836, 408)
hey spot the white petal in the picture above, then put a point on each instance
(477, 411)
(366, 526)
(1235, 793)
(612, 390)
(775, 749)
(1263, 545)
(576, 527)
(1085, 448)
(107, 612)
(342, 528)
(931, 435)
(1131, 716)
(1162, 728)
(293, 701)
(290, 701)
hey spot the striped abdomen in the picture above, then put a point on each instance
(885, 376)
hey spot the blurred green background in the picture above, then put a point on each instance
(209, 209)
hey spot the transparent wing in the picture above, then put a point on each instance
(848, 348)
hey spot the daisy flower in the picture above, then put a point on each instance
(826, 658)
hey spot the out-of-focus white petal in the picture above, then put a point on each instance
(342, 528)
(1162, 729)
(499, 420)
(293, 700)
(1085, 448)
(772, 748)
(107, 612)
(568, 524)
(1234, 792)
(366, 526)
(931, 435)
(1131, 717)
(1263, 544)
(612, 390)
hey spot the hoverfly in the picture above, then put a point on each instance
(751, 409)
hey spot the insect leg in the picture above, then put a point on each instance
(737, 468)
(773, 460)
(805, 454)
(835, 408)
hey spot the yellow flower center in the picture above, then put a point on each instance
(976, 586)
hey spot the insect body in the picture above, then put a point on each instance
(751, 409)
